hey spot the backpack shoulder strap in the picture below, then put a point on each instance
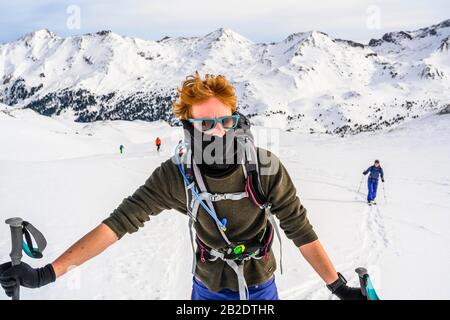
(253, 182)
(254, 188)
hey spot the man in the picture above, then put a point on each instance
(376, 172)
(121, 148)
(229, 234)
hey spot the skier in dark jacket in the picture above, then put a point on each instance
(375, 172)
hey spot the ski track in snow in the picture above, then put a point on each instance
(373, 239)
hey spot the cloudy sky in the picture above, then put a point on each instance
(258, 20)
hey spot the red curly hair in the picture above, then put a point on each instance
(197, 90)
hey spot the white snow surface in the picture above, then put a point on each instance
(66, 177)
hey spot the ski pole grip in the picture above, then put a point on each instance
(362, 273)
(15, 225)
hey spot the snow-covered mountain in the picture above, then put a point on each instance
(309, 82)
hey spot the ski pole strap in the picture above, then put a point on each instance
(30, 231)
(19, 228)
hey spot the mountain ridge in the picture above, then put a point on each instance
(309, 81)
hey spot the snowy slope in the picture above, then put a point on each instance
(66, 177)
(309, 82)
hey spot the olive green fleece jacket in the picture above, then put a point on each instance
(165, 190)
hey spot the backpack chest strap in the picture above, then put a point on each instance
(223, 196)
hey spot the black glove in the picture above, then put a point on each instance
(344, 292)
(24, 275)
(382, 180)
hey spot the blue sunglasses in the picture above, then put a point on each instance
(206, 124)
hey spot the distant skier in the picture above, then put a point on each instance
(372, 182)
(121, 149)
(158, 143)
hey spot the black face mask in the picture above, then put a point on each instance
(218, 154)
(211, 152)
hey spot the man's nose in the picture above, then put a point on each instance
(218, 130)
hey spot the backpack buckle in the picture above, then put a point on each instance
(239, 249)
(218, 196)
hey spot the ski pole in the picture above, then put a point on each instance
(384, 194)
(15, 225)
(359, 188)
(367, 288)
